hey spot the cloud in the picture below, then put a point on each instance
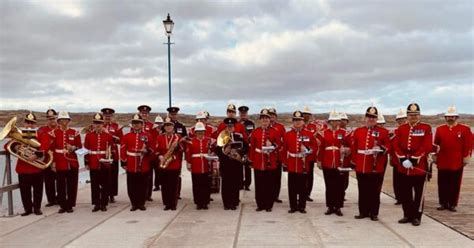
(83, 55)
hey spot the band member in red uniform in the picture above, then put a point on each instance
(202, 117)
(239, 127)
(115, 130)
(369, 144)
(136, 151)
(453, 142)
(400, 118)
(30, 177)
(144, 111)
(201, 146)
(281, 131)
(329, 159)
(98, 161)
(65, 141)
(49, 173)
(170, 153)
(155, 163)
(231, 158)
(249, 127)
(264, 146)
(413, 142)
(308, 124)
(346, 148)
(299, 144)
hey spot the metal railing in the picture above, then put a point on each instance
(7, 185)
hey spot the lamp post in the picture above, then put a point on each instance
(169, 24)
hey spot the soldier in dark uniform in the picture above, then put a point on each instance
(249, 127)
(230, 157)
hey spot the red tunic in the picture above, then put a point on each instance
(195, 154)
(64, 159)
(238, 128)
(258, 139)
(346, 162)
(364, 140)
(330, 148)
(163, 143)
(116, 132)
(209, 131)
(292, 153)
(97, 144)
(453, 145)
(131, 148)
(413, 142)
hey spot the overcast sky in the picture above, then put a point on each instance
(343, 55)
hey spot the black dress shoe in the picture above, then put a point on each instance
(292, 211)
(179, 197)
(173, 208)
(415, 222)
(156, 189)
(70, 210)
(247, 188)
(398, 203)
(259, 209)
(441, 208)
(149, 199)
(62, 210)
(205, 207)
(198, 207)
(26, 213)
(233, 208)
(360, 216)
(329, 211)
(210, 199)
(374, 218)
(96, 208)
(38, 212)
(167, 208)
(142, 208)
(133, 208)
(112, 199)
(50, 204)
(103, 208)
(268, 209)
(452, 209)
(338, 212)
(226, 208)
(278, 200)
(309, 199)
(404, 220)
(303, 211)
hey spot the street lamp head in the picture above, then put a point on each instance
(168, 23)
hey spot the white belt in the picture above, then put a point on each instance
(60, 151)
(97, 152)
(297, 155)
(134, 154)
(365, 152)
(198, 155)
(331, 148)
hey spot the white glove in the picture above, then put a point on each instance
(434, 158)
(407, 164)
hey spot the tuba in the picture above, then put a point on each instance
(24, 148)
(224, 140)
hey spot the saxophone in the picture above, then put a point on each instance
(168, 157)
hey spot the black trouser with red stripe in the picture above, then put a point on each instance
(29, 182)
(449, 186)
(297, 191)
(265, 188)
(247, 174)
(369, 185)
(201, 188)
(310, 179)
(67, 181)
(396, 183)
(100, 186)
(113, 178)
(231, 182)
(169, 187)
(50, 185)
(149, 185)
(335, 188)
(411, 191)
(278, 180)
(136, 188)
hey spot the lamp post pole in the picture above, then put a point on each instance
(169, 24)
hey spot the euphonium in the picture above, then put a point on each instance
(24, 148)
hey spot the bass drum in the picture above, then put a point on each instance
(215, 176)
